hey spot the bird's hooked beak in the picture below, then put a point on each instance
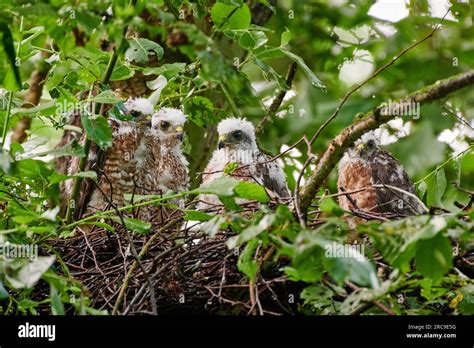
(179, 133)
(222, 141)
(361, 148)
(148, 121)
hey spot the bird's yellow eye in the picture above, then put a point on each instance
(164, 125)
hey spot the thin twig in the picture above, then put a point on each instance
(276, 103)
(375, 74)
(132, 269)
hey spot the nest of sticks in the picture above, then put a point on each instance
(172, 270)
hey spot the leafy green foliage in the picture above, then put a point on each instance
(434, 257)
(218, 61)
(97, 130)
(134, 225)
(140, 49)
(7, 44)
(232, 17)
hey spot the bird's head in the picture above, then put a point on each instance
(366, 145)
(141, 109)
(236, 134)
(138, 108)
(168, 124)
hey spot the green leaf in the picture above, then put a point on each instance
(349, 264)
(230, 204)
(71, 149)
(3, 292)
(215, 224)
(5, 161)
(106, 97)
(97, 130)
(56, 177)
(200, 110)
(285, 38)
(466, 306)
(251, 40)
(307, 265)
(50, 214)
(268, 70)
(223, 186)
(104, 225)
(434, 257)
(436, 188)
(269, 52)
(140, 49)
(252, 231)
(167, 70)
(194, 215)
(231, 167)
(35, 32)
(315, 82)
(329, 205)
(397, 241)
(48, 107)
(342, 261)
(268, 4)
(11, 84)
(134, 225)
(251, 191)
(231, 17)
(122, 72)
(157, 85)
(26, 274)
(421, 189)
(429, 291)
(246, 263)
(57, 307)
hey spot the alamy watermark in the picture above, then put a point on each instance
(409, 108)
(14, 251)
(355, 251)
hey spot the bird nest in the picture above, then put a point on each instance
(178, 271)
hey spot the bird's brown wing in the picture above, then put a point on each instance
(114, 167)
(271, 176)
(387, 171)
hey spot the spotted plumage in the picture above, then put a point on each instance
(373, 183)
(237, 145)
(145, 159)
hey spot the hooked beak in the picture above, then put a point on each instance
(361, 148)
(148, 121)
(179, 133)
(222, 142)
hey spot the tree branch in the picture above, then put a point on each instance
(32, 99)
(272, 110)
(376, 73)
(372, 120)
(87, 145)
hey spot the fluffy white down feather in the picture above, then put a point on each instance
(231, 124)
(172, 115)
(142, 105)
(251, 156)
